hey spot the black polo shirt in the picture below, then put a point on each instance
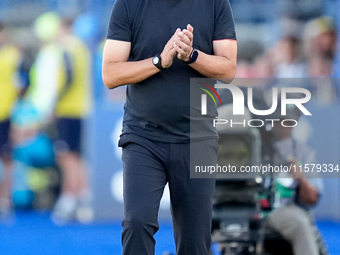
(158, 108)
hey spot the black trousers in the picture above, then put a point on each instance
(148, 166)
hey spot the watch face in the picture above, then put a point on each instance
(194, 55)
(155, 60)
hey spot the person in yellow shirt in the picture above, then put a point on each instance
(72, 107)
(61, 79)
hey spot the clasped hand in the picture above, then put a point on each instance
(180, 45)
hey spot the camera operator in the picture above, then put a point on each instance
(295, 194)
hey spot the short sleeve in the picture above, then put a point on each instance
(224, 21)
(119, 25)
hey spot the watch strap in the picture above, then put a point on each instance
(158, 64)
(193, 57)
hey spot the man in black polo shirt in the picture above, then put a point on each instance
(156, 46)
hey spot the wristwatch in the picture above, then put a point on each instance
(157, 61)
(193, 57)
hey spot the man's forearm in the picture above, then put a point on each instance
(213, 66)
(117, 70)
(121, 73)
(308, 193)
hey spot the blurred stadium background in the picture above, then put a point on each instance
(260, 24)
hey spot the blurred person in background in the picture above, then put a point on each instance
(72, 107)
(251, 60)
(61, 89)
(287, 55)
(320, 40)
(13, 84)
(287, 58)
(296, 193)
(45, 74)
(305, 50)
